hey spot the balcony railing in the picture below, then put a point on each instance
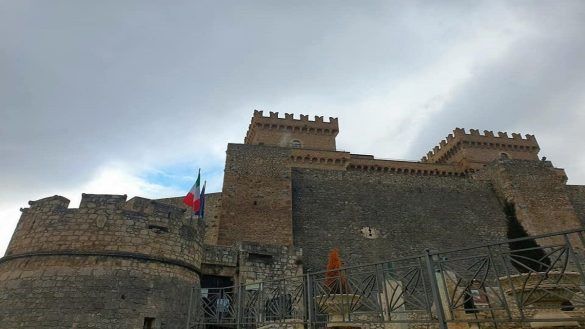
(505, 284)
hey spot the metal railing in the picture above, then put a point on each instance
(528, 280)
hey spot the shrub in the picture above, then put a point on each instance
(335, 280)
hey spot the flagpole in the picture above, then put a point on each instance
(202, 207)
(194, 196)
(193, 205)
(199, 177)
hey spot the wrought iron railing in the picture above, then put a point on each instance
(530, 280)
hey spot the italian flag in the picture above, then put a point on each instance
(193, 198)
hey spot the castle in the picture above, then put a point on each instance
(288, 197)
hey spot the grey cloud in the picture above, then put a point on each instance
(84, 83)
(536, 87)
(88, 82)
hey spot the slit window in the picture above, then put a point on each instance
(260, 258)
(149, 323)
(158, 229)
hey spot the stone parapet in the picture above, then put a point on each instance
(111, 263)
(211, 215)
(404, 167)
(339, 160)
(108, 224)
(304, 158)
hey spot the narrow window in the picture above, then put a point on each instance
(149, 323)
(158, 228)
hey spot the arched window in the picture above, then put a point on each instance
(504, 156)
(296, 143)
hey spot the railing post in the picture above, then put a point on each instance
(260, 311)
(501, 293)
(574, 257)
(435, 290)
(189, 309)
(309, 300)
(239, 305)
(382, 294)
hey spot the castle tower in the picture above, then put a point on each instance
(108, 264)
(256, 196)
(474, 150)
(257, 190)
(291, 132)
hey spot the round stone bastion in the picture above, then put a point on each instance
(111, 263)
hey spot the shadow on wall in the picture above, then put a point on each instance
(527, 255)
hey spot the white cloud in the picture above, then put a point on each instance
(119, 179)
(9, 215)
(110, 179)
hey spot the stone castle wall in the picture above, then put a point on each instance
(92, 292)
(108, 264)
(577, 196)
(372, 216)
(108, 223)
(248, 263)
(256, 197)
(265, 262)
(262, 182)
(538, 192)
(211, 215)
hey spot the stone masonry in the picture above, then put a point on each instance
(374, 216)
(288, 197)
(111, 263)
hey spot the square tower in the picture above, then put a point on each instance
(291, 132)
(473, 150)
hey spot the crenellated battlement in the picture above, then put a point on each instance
(56, 202)
(104, 201)
(109, 224)
(259, 115)
(281, 131)
(474, 149)
(489, 134)
(345, 161)
(148, 208)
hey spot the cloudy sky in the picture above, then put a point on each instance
(130, 97)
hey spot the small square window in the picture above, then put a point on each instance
(149, 323)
